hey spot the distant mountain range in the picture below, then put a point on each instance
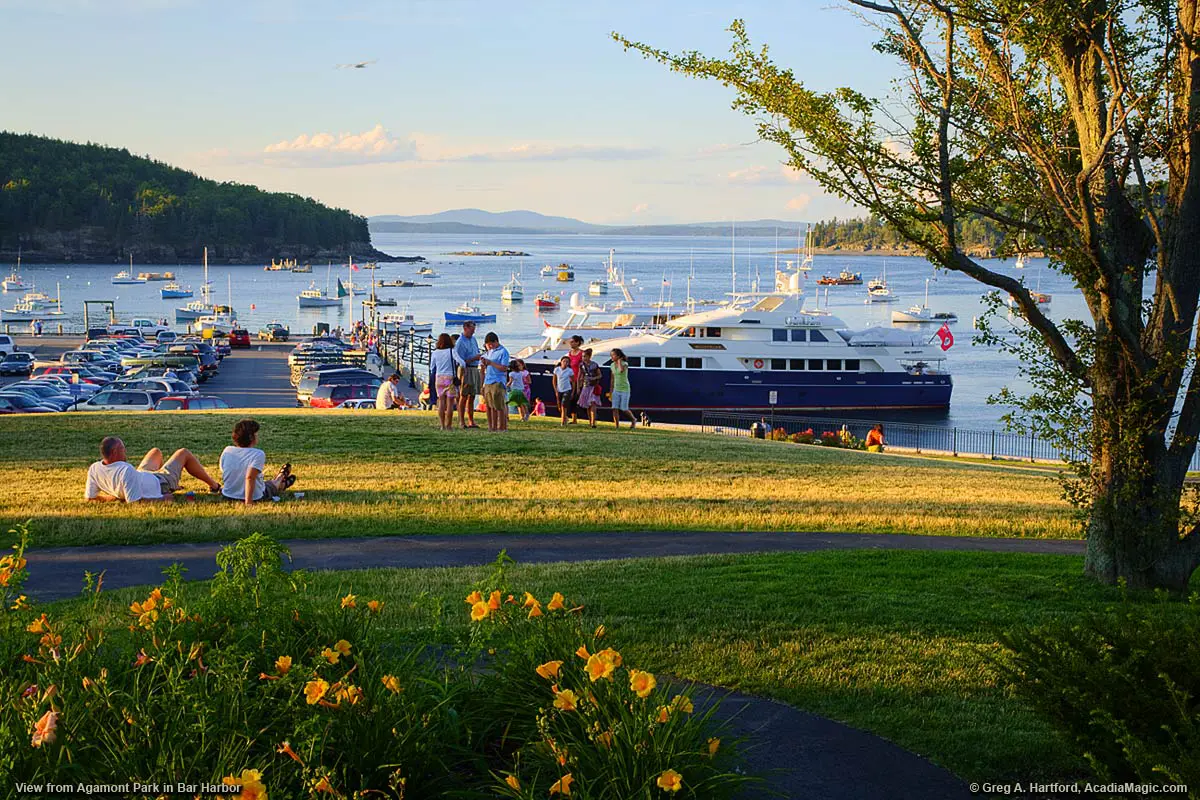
(478, 221)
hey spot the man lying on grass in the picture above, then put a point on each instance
(242, 466)
(114, 479)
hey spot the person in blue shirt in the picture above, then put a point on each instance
(495, 380)
(466, 356)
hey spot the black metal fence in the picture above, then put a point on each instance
(910, 436)
(408, 351)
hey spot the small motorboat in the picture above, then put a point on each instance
(565, 273)
(545, 301)
(380, 302)
(313, 297)
(881, 294)
(548, 271)
(404, 321)
(513, 292)
(922, 313)
(598, 287)
(468, 313)
(428, 272)
(174, 290)
(124, 277)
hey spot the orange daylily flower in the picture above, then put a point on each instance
(392, 684)
(713, 745)
(583, 653)
(315, 690)
(513, 783)
(494, 601)
(286, 749)
(535, 612)
(565, 700)
(530, 601)
(350, 601)
(374, 606)
(641, 683)
(479, 611)
(474, 597)
(342, 647)
(556, 603)
(670, 781)
(600, 667)
(43, 729)
(562, 785)
(39, 625)
(549, 669)
(283, 664)
(331, 656)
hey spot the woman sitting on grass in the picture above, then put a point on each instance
(518, 388)
(875, 439)
(242, 466)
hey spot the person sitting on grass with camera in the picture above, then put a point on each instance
(242, 466)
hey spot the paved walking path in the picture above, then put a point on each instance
(800, 754)
(56, 572)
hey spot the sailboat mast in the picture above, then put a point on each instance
(733, 256)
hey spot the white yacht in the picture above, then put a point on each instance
(34, 305)
(598, 287)
(404, 321)
(761, 352)
(427, 272)
(314, 297)
(923, 313)
(14, 282)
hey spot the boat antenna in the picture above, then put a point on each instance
(733, 256)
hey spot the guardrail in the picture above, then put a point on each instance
(407, 351)
(911, 436)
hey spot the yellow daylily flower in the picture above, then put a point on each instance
(562, 785)
(556, 603)
(713, 745)
(611, 655)
(565, 700)
(549, 669)
(391, 683)
(331, 656)
(479, 611)
(641, 683)
(474, 597)
(283, 664)
(681, 703)
(350, 601)
(529, 601)
(513, 783)
(600, 667)
(315, 690)
(670, 781)
(342, 647)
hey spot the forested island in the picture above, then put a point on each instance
(67, 202)
(873, 236)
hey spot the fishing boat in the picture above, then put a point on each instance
(173, 290)
(565, 273)
(124, 277)
(881, 294)
(34, 305)
(302, 269)
(598, 287)
(428, 272)
(545, 301)
(314, 297)
(156, 276)
(404, 321)
(220, 324)
(199, 308)
(760, 352)
(380, 302)
(513, 291)
(370, 265)
(286, 265)
(14, 282)
(468, 312)
(548, 271)
(843, 278)
(923, 313)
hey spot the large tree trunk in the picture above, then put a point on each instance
(1133, 528)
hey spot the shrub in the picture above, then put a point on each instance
(831, 439)
(255, 680)
(803, 437)
(1125, 688)
(779, 434)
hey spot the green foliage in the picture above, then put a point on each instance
(307, 692)
(1124, 687)
(874, 233)
(132, 203)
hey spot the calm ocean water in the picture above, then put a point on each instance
(660, 265)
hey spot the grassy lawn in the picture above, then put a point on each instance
(898, 643)
(370, 474)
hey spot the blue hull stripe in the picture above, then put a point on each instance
(693, 389)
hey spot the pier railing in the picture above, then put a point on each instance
(935, 439)
(408, 351)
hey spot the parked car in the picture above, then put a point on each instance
(190, 403)
(274, 332)
(121, 400)
(6, 345)
(21, 404)
(344, 376)
(16, 364)
(165, 385)
(358, 403)
(332, 396)
(67, 386)
(46, 394)
(65, 371)
(239, 337)
(166, 337)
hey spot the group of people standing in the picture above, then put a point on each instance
(459, 372)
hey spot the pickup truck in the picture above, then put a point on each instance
(147, 327)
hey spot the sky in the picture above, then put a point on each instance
(522, 104)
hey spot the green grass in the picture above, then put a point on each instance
(367, 474)
(898, 643)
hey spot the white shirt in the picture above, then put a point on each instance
(562, 378)
(386, 398)
(443, 362)
(236, 462)
(121, 480)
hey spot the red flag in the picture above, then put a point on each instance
(946, 336)
(354, 267)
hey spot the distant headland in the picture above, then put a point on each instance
(86, 203)
(504, 253)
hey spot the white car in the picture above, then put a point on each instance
(120, 400)
(6, 345)
(156, 384)
(358, 403)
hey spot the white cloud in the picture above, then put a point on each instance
(545, 151)
(783, 175)
(329, 150)
(799, 202)
(640, 208)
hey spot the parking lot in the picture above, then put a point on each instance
(257, 377)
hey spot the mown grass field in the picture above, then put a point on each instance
(902, 644)
(368, 474)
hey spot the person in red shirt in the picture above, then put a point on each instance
(575, 354)
(875, 439)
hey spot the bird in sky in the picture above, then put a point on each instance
(357, 65)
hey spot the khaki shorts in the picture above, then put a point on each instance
(471, 379)
(495, 396)
(169, 475)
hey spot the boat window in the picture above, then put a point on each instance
(694, 363)
(634, 361)
(653, 361)
(852, 365)
(778, 335)
(816, 363)
(714, 333)
(816, 336)
(796, 363)
(674, 363)
(834, 363)
(769, 303)
(798, 335)
(778, 363)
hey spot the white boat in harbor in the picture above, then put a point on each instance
(199, 308)
(33, 306)
(124, 277)
(404, 321)
(513, 291)
(315, 297)
(548, 271)
(14, 282)
(881, 294)
(220, 324)
(598, 287)
(427, 272)
(923, 313)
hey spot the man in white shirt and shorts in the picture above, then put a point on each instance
(113, 479)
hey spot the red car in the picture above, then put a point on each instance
(332, 396)
(239, 337)
(189, 403)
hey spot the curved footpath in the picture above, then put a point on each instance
(801, 755)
